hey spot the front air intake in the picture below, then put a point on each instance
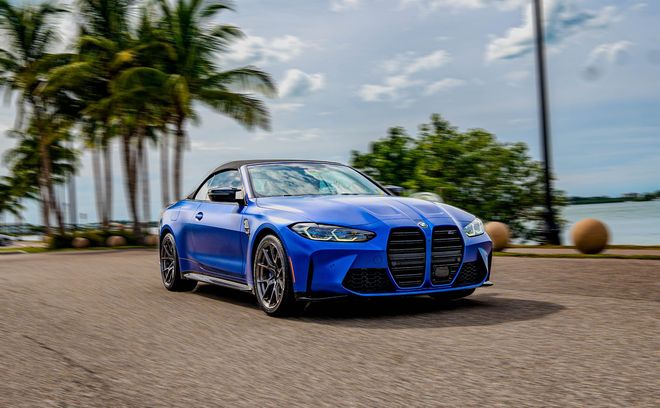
(368, 280)
(472, 273)
(406, 256)
(446, 255)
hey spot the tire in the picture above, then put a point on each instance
(273, 282)
(170, 272)
(453, 295)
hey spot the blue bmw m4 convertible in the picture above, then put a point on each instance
(293, 231)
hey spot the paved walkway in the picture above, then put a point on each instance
(100, 331)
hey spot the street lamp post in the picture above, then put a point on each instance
(550, 230)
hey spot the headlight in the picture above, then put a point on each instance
(320, 232)
(476, 227)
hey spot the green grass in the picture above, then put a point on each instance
(36, 250)
(30, 250)
(578, 256)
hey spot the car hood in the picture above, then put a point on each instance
(356, 210)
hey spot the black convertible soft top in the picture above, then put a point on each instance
(234, 165)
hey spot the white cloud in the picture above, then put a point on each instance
(212, 146)
(343, 5)
(402, 68)
(609, 52)
(638, 6)
(290, 135)
(443, 85)
(376, 93)
(388, 90)
(562, 20)
(260, 50)
(433, 60)
(408, 63)
(428, 6)
(299, 83)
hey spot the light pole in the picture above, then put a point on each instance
(550, 229)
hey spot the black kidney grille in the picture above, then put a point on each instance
(406, 256)
(446, 255)
(372, 280)
(472, 273)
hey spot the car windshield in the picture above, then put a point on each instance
(297, 179)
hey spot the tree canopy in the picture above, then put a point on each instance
(472, 170)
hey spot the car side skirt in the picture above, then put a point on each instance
(217, 281)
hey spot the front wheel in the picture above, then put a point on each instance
(273, 282)
(453, 295)
(169, 267)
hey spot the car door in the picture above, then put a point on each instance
(216, 230)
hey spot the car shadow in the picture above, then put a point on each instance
(425, 312)
(480, 309)
(223, 294)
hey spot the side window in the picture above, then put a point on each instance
(229, 178)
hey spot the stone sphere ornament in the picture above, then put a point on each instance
(115, 241)
(590, 236)
(151, 240)
(499, 233)
(80, 242)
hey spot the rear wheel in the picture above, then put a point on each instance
(273, 283)
(169, 267)
(453, 295)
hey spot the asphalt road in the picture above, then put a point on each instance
(98, 329)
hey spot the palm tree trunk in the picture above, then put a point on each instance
(45, 205)
(57, 208)
(107, 163)
(98, 183)
(178, 155)
(164, 167)
(131, 182)
(143, 168)
(46, 172)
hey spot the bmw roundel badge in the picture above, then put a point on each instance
(422, 224)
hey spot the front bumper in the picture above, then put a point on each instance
(331, 269)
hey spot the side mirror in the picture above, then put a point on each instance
(396, 190)
(226, 195)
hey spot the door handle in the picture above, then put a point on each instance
(199, 216)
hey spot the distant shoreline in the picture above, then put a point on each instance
(632, 197)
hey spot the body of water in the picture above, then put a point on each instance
(635, 223)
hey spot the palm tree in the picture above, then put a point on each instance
(10, 197)
(30, 32)
(195, 41)
(102, 53)
(43, 153)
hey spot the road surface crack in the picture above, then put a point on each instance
(69, 361)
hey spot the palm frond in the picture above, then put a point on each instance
(215, 7)
(248, 111)
(248, 78)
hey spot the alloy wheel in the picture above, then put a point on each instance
(168, 260)
(270, 275)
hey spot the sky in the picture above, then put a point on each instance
(347, 70)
